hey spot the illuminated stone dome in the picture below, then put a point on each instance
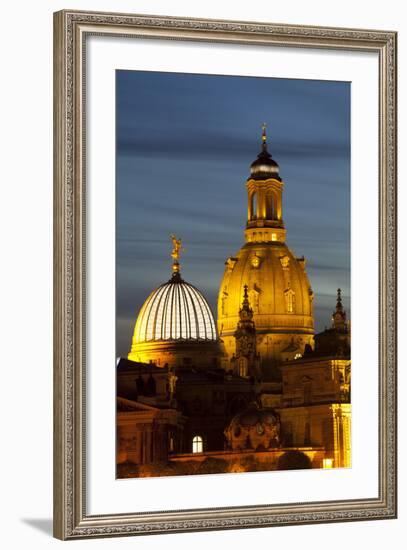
(175, 325)
(279, 291)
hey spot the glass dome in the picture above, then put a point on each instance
(176, 310)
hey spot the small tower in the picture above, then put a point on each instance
(339, 315)
(246, 361)
(264, 193)
(335, 341)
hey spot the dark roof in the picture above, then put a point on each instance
(125, 365)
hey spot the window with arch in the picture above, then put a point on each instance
(290, 300)
(270, 206)
(197, 444)
(253, 213)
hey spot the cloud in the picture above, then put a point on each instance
(221, 147)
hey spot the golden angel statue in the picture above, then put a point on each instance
(176, 247)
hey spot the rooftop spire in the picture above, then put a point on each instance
(245, 296)
(339, 306)
(264, 167)
(177, 248)
(245, 311)
(264, 135)
(339, 315)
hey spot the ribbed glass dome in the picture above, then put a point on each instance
(176, 310)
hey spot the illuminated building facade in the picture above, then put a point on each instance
(257, 391)
(315, 405)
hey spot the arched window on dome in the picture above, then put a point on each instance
(197, 444)
(290, 300)
(270, 206)
(254, 298)
(253, 207)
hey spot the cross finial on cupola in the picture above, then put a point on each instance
(264, 135)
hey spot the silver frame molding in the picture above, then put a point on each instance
(70, 31)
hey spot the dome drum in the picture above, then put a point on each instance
(269, 232)
(176, 353)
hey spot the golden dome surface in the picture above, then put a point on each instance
(279, 294)
(278, 287)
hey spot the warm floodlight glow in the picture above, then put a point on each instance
(328, 463)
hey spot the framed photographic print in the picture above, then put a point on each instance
(225, 274)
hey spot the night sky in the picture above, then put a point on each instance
(185, 143)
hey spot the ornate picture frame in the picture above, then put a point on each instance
(71, 30)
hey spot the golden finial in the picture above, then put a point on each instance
(264, 135)
(177, 248)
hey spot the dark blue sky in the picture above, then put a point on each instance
(184, 148)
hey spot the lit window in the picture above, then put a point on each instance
(254, 207)
(273, 237)
(290, 300)
(328, 462)
(197, 444)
